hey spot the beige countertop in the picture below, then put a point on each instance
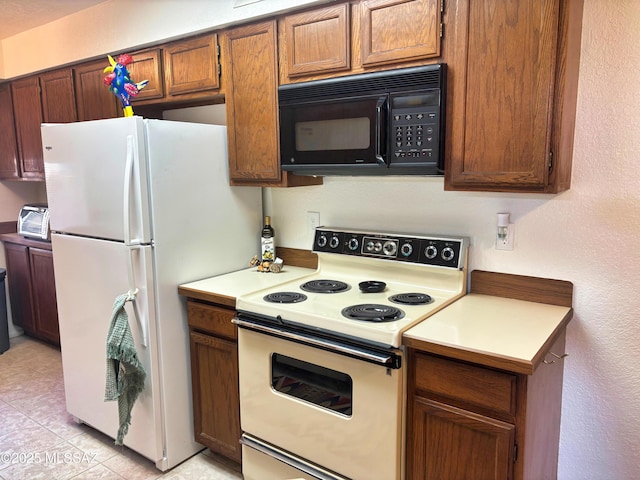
(225, 288)
(495, 331)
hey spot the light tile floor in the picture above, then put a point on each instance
(39, 440)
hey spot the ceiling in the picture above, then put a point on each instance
(20, 15)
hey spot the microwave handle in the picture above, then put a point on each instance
(379, 130)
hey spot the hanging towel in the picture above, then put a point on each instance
(125, 373)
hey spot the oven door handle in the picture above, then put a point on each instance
(388, 360)
(288, 459)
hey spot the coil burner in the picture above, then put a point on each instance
(371, 312)
(411, 298)
(325, 286)
(285, 297)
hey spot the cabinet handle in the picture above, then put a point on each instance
(559, 357)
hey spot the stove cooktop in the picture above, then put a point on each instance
(422, 274)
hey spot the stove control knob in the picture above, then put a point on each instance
(334, 242)
(377, 247)
(430, 252)
(353, 244)
(322, 241)
(406, 249)
(390, 248)
(370, 246)
(447, 254)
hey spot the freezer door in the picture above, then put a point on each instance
(89, 275)
(96, 178)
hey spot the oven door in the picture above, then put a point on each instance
(334, 136)
(341, 413)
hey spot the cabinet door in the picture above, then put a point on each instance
(503, 90)
(9, 167)
(44, 294)
(147, 66)
(214, 373)
(394, 31)
(19, 282)
(58, 97)
(447, 442)
(192, 65)
(27, 111)
(94, 99)
(316, 41)
(252, 109)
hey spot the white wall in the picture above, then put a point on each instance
(589, 235)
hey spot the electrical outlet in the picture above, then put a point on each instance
(507, 242)
(313, 221)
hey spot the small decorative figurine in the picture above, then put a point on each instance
(120, 83)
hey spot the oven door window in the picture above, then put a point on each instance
(311, 383)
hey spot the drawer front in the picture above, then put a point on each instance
(466, 385)
(212, 319)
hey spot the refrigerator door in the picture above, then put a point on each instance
(90, 274)
(96, 179)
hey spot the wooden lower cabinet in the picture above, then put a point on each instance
(214, 373)
(32, 289)
(468, 421)
(452, 443)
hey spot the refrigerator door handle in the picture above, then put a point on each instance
(128, 181)
(126, 203)
(133, 292)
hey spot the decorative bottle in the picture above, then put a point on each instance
(267, 241)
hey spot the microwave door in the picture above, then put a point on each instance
(334, 135)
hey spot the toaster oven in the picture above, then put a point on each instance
(33, 221)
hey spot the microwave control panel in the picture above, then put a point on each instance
(415, 127)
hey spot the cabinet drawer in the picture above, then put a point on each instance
(212, 319)
(466, 385)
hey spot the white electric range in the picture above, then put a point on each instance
(321, 366)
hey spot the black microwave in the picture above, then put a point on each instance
(381, 123)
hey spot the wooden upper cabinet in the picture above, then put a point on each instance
(27, 111)
(147, 65)
(359, 36)
(58, 97)
(512, 94)
(9, 166)
(251, 84)
(394, 31)
(192, 65)
(316, 41)
(250, 68)
(93, 97)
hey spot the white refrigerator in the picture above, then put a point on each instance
(140, 206)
